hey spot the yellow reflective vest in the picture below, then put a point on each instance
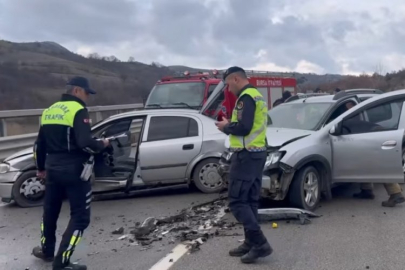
(61, 113)
(255, 141)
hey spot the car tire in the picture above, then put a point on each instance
(25, 179)
(306, 181)
(206, 176)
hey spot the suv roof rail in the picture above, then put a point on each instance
(303, 95)
(344, 93)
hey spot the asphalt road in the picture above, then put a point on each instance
(350, 235)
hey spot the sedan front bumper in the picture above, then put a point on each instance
(6, 192)
(6, 185)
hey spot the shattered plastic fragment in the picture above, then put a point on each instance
(118, 231)
(272, 214)
(123, 237)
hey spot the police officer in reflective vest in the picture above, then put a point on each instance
(64, 133)
(247, 132)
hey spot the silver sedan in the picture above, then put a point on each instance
(160, 148)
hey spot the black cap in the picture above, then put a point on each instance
(81, 82)
(231, 70)
(337, 90)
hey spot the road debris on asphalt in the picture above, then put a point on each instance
(118, 231)
(192, 226)
(195, 225)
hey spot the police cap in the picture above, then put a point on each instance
(231, 70)
(81, 82)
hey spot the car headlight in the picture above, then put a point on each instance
(227, 155)
(273, 158)
(4, 168)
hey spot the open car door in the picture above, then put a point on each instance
(367, 144)
(115, 166)
(214, 102)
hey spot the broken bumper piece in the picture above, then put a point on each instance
(272, 214)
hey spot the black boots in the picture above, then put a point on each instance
(256, 252)
(254, 247)
(394, 200)
(242, 249)
(38, 252)
(364, 194)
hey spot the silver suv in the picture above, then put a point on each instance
(314, 143)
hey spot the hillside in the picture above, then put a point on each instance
(32, 75)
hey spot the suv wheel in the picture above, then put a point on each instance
(305, 190)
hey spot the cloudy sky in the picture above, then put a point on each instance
(331, 36)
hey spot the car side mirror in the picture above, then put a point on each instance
(335, 129)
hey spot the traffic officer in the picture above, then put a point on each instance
(247, 131)
(59, 155)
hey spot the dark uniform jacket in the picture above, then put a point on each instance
(59, 147)
(246, 115)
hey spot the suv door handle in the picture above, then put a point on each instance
(188, 146)
(388, 144)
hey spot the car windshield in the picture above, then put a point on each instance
(187, 94)
(304, 116)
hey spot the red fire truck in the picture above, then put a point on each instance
(192, 91)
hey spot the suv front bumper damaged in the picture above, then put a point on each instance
(276, 178)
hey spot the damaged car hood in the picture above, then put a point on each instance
(277, 137)
(25, 152)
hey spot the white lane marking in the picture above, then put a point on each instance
(166, 262)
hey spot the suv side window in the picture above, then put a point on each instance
(381, 117)
(341, 109)
(171, 127)
(379, 113)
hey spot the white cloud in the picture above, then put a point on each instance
(304, 66)
(334, 36)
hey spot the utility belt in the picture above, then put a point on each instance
(87, 169)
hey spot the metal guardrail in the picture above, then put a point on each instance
(11, 144)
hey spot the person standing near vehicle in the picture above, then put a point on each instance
(247, 131)
(393, 190)
(286, 95)
(59, 154)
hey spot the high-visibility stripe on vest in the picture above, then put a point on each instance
(255, 141)
(61, 113)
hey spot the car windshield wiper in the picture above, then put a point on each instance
(183, 103)
(154, 105)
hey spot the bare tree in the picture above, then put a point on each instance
(94, 56)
